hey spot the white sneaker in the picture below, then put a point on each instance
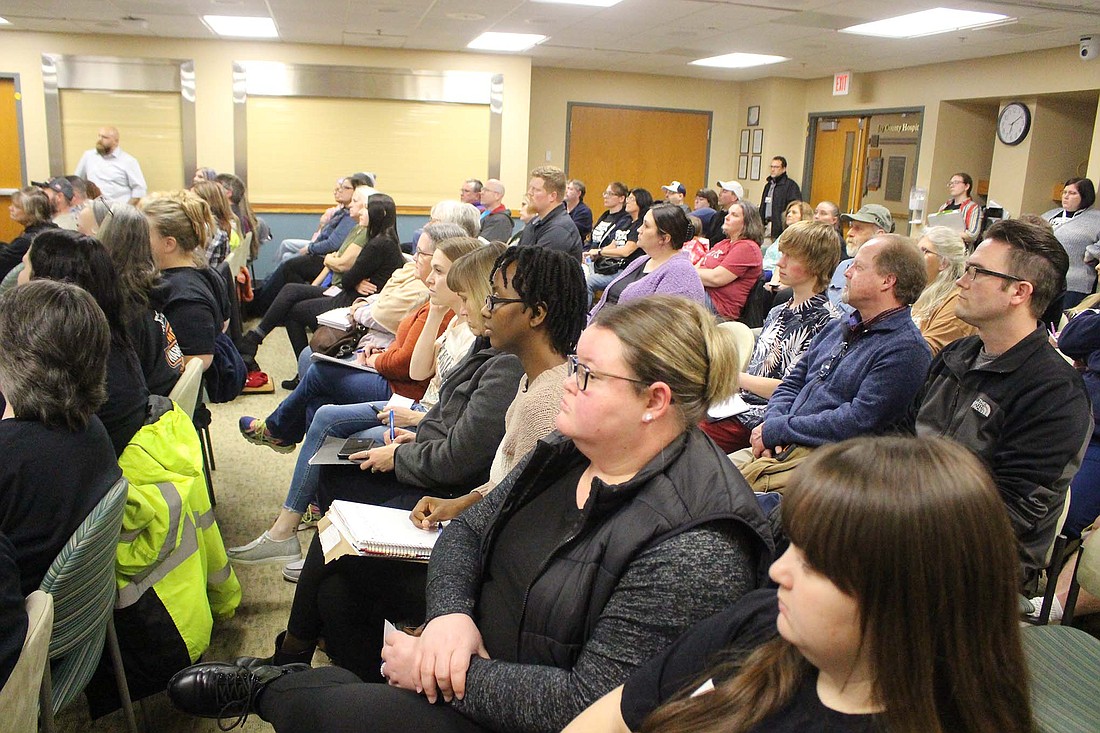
(265, 549)
(1055, 609)
(293, 570)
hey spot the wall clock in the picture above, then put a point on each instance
(1013, 123)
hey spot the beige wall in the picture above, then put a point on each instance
(536, 101)
(21, 53)
(1011, 77)
(553, 89)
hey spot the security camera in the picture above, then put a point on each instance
(1090, 48)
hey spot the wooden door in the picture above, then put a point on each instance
(838, 162)
(643, 148)
(11, 168)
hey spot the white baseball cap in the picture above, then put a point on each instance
(733, 186)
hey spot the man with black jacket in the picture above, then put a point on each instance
(552, 227)
(1005, 393)
(778, 193)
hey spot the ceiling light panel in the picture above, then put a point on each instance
(507, 42)
(739, 60)
(236, 26)
(927, 23)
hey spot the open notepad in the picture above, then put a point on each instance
(376, 530)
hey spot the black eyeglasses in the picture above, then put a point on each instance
(582, 373)
(972, 271)
(492, 301)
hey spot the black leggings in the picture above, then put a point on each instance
(346, 601)
(333, 700)
(297, 308)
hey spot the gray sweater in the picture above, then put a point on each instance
(664, 590)
(1080, 236)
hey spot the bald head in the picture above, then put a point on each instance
(107, 140)
(492, 192)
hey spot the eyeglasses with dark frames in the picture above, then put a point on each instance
(492, 301)
(971, 271)
(582, 373)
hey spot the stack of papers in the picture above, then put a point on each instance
(376, 530)
(336, 318)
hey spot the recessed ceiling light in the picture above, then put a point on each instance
(590, 3)
(491, 41)
(5, 21)
(237, 26)
(739, 60)
(928, 23)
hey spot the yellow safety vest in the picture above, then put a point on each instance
(170, 540)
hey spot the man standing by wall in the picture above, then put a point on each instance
(778, 193)
(116, 172)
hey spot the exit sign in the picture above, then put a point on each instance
(842, 82)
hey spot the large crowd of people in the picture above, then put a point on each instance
(642, 527)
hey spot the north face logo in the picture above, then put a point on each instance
(981, 407)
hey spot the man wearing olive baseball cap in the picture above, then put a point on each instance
(870, 221)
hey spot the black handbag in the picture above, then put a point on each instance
(608, 265)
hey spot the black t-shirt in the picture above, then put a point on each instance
(157, 351)
(195, 301)
(13, 616)
(603, 233)
(376, 262)
(50, 480)
(520, 548)
(123, 413)
(731, 634)
(616, 288)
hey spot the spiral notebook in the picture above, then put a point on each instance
(375, 531)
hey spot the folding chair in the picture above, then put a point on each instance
(19, 698)
(81, 580)
(1064, 672)
(743, 337)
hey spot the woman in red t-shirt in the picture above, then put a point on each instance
(732, 266)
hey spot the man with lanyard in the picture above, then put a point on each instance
(779, 192)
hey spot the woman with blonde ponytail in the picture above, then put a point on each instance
(594, 553)
(896, 610)
(195, 302)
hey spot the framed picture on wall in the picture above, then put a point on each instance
(744, 142)
(743, 167)
(757, 141)
(754, 168)
(754, 116)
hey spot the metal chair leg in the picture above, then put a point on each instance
(120, 674)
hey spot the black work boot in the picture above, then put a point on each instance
(220, 690)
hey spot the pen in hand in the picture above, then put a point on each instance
(393, 432)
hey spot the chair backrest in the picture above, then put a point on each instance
(82, 583)
(1064, 674)
(186, 392)
(744, 338)
(19, 698)
(756, 305)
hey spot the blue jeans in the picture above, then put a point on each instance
(596, 281)
(1084, 493)
(341, 421)
(289, 248)
(324, 384)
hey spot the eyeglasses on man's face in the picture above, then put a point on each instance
(971, 272)
(582, 373)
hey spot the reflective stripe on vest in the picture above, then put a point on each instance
(168, 559)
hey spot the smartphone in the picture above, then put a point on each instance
(354, 445)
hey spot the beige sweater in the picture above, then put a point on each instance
(531, 416)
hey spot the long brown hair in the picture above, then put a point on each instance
(914, 530)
